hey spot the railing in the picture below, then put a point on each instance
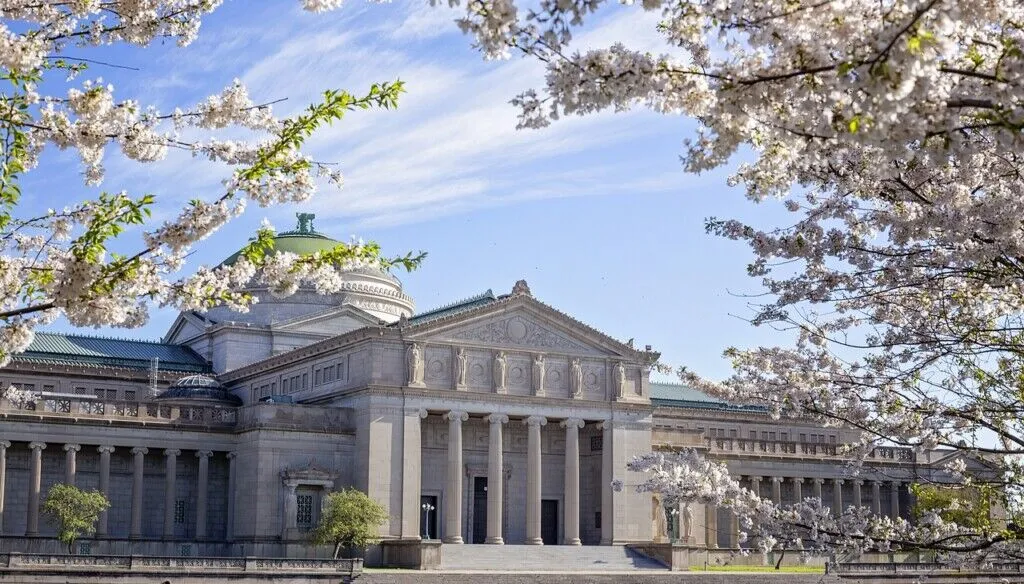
(29, 562)
(89, 408)
(921, 568)
(798, 449)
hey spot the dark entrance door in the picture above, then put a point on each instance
(428, 516)
(479, 509)
(549, 521)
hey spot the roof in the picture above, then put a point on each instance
(482, 299)
(86, 350)
(677, 395)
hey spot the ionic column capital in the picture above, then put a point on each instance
(797, 480)
(876, 483)
(858, 482)
(456, 415)
(416, 412)
(4, 444)
(572, 423)
(232, 455)
(895, 484)
(75, 447)
(37, 445)
(818, 481)
(171, 452)
(105, 449)
(139, 450)
(536, 421)
(497, 419)
(838, 481)
(204, 453)
(778, 480)
(755, 479)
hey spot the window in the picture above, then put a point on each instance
(597, 520)
(771, 436)
(803, 437)
(732, 433)
(753, 435)
(111, 394)
(596, 443)
(273, 388)
(764, 435)
(341, 370)
(99, 393)
(53, 388)
(721, 432)
(316, 377)
(784, 436)
(255, 394)
(832, 439)
(179, 511)
(305, 380)
(129, 395)
(304, 512)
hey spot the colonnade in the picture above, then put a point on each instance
(836, 506)
(495, 490)
(138, 466)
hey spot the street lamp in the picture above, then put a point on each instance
(427, 508)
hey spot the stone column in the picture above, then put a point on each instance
(734, 530)
(798, 487)
(34, 484)
(202, 487)
(876, 497)
(4, 445)
(137, 486)
(777, 490)
(170, 490)
(817, 488)
(857, 501)
(837, 497)
(453, 504)
(572, 480)
(412, 472)
(533, 479)
(710, 526)
(495, 479)
(105, 451)
(70, 466)
(230, 528)
(607, 470)
(755, 485)
(894, 500)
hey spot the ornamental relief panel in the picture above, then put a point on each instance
(522, 332)
(438, 366)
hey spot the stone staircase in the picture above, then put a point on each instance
(547, 558)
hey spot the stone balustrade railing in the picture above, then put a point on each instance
(798, 449)
(16, 561)
(920, 568)
(149, 412)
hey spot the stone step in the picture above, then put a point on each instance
(543, 558)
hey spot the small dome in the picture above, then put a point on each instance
(303, 240)
(202, 388)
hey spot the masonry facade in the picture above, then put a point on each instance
(496, 420)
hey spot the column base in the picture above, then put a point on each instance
(495, 540)
(453, 539)
(534, 541)
(573, 541)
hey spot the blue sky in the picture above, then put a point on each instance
(595, 213)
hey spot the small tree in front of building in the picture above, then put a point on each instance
(350, 519)
(74, 511)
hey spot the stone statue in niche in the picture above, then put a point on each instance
(576, 377)
(620, 379)
(687, 517)
(414, 360)
(460, 367)
(500, 372)
(538, 374)
(660, 524)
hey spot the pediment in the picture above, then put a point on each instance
(186, 326)
(523, 329)
(331, 322)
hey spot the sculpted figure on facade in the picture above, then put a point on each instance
(620, 379)
(414, 359)
(576, 377)
(687, 518)
(538, 374)
(461, 363)
(500, 372)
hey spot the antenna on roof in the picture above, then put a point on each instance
(154, 370)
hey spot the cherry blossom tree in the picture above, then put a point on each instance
(58, 263)
(891, 131)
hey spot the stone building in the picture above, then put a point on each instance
(496, 419)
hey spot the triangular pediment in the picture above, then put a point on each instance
(525, 325)
(186, 326)
(331, 322)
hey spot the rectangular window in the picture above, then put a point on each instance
(803, 437)
(341, 370)
(764, 435)
(597, 520)
(305, 380)
(304, 512)
(53, 388)
(721, 432)
(255, 395)
(129, 395)
(179, 511)
(316, 377)
(111, 394)
(273, 388)
(596, 443)
(753, 435)
(832, 439)
(732, 433)
(771, 436)
(328, 374)
(99, 393)
(784, 436)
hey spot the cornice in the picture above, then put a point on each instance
(347, 340)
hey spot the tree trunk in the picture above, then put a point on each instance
(782, 555)
(337, 550)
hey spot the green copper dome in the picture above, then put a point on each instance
(303, 240)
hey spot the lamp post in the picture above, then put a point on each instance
(427, 508)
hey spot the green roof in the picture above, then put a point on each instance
(678, 395)
(454, 308)
(84, 350)
(303, 240)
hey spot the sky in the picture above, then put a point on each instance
(596, 213)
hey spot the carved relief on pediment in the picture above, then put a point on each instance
(518, 331)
